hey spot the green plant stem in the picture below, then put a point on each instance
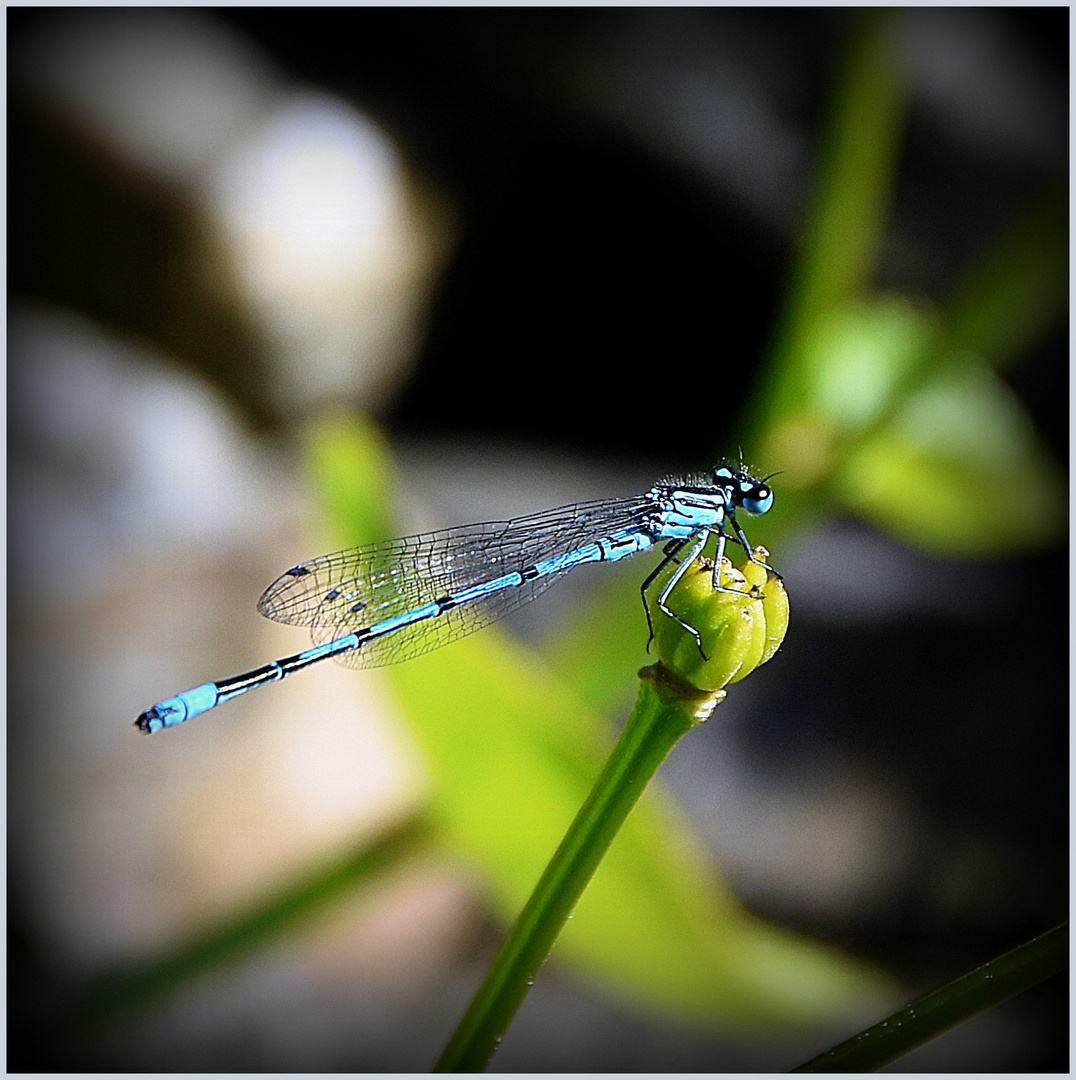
(923, 1020)
(666, 708)
(845, 221)
(136, 989)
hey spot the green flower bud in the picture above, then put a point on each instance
(775, 611)
(738, 630)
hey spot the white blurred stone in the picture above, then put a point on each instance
(322, 235)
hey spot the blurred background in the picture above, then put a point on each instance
(282, 281)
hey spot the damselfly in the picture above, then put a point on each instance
(393, 601)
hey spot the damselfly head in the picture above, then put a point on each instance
(754, 495)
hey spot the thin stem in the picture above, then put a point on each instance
(137, 988)
(981, 989)
(845, 221)
(666, 708)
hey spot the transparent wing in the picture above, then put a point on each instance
(346, 591)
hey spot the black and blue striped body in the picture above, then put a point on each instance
(389, 602)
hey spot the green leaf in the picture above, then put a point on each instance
(513, 752)
(1018, 291)
(859, 354)
(854, 360)
(959, 470)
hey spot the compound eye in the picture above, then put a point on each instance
(758, 500)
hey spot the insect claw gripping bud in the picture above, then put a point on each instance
(737, 631)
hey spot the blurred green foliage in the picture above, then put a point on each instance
(876, 405)
(513, 751)
(882, 405)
